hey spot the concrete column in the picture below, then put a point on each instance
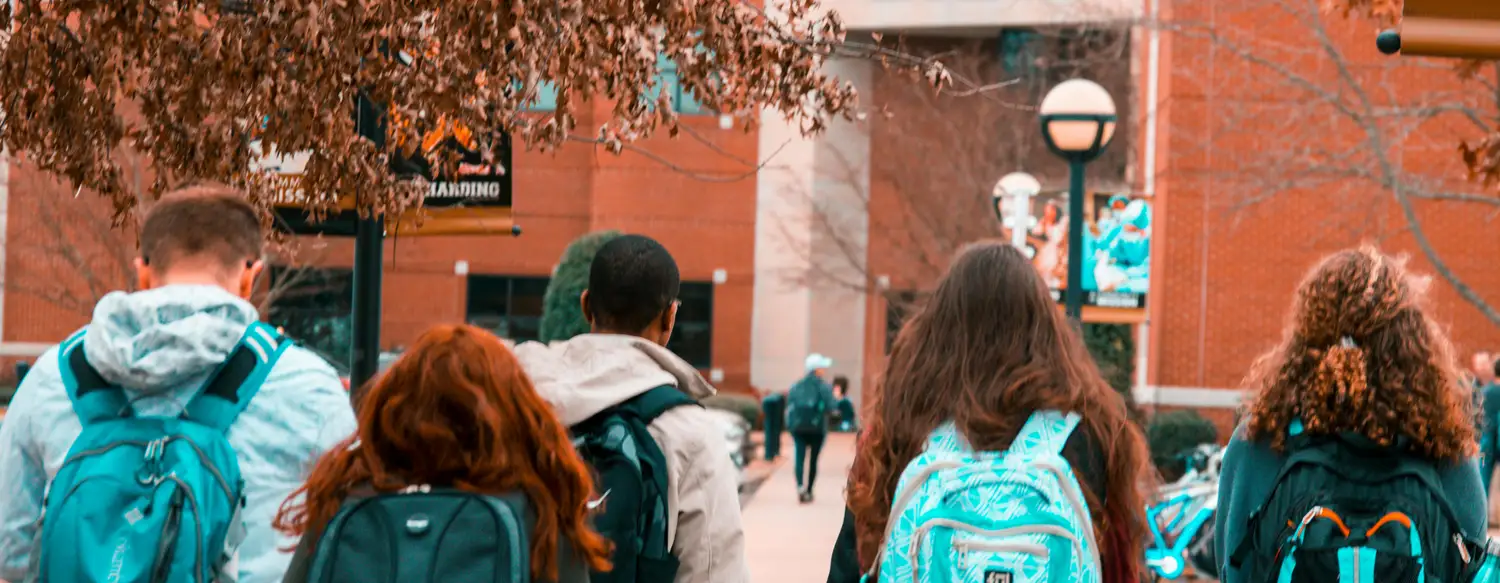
(812, 225)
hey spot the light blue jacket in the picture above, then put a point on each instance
(159, 346)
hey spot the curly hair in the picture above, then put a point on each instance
(457, 410)
(1361, 356)
(988, 349)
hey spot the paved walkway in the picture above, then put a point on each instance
(788, 542)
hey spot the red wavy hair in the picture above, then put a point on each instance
(457, 410)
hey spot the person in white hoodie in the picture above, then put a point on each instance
(631, 304)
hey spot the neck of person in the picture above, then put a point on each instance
(194, 277)
(642, 334)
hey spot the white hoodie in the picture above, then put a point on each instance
(590, 373)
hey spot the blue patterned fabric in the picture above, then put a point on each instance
(1017, 516)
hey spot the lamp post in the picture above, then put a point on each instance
(1018, 188)
(1078, 120)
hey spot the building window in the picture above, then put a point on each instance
(545, 97)
(667, 80)
(692, 337)
(1018, 52)
(314, 307)
(511, 307)
(899, 306)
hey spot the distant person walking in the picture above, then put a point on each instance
(210, 415)
(808, 406)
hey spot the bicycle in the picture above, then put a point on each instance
(1182, 518)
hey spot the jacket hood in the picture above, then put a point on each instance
(589, 373)
(152, 341)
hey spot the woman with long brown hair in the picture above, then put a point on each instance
(1359, 424)
(457, 411)
(989, 349)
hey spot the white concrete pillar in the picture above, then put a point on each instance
(812, 224)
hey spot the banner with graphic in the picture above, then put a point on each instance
(1116, 245)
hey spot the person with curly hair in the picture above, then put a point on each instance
(456, 411)
(987, 355)
(1360, 424)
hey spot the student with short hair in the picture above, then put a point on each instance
(184, 367)
(677, 484)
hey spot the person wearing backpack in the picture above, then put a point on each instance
(809, 403)
(993, 450)
(1357, 460)
(669, 492)
(459, 467)
(155, 444)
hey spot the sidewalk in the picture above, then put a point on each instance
(788, 542)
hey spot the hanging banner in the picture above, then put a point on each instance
(1116, 240)
(476, 201)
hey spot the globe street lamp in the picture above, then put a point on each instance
(1078, 120)
(1018, 188)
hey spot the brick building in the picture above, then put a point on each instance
(1281, 135)
(1264, 134)
(696, 207)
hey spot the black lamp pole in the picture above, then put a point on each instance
(1077, 162)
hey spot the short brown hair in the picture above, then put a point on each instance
(208, 221)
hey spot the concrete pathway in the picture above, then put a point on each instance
(788, 542)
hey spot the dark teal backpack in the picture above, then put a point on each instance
(427, 535)
(630, 473)
(1346, 510)
(807, 409)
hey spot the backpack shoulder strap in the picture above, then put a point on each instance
(93, 398)
(651, 404)
(1045, 433)
(229, 389)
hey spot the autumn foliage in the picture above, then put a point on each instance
(216, 83)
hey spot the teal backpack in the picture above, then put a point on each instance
(806, 408)
(1018, 516)
(151, 499)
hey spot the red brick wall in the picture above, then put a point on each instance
(706, 224)
(1261, 176)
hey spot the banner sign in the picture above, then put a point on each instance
(477, 201)
(1116, 239)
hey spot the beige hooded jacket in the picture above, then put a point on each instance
(589, 373)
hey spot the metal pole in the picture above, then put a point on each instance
(369, 251)
(1073, 295)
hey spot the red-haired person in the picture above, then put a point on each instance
(454, 414)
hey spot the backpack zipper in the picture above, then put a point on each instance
(915, 549)
(156, 447)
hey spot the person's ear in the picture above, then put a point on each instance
(247, 278)
(144, 277)
(668, 322)
(583, 304)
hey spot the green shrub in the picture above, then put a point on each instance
(743, 405)
(562, 317)
(1173, 433)
(1113, 349)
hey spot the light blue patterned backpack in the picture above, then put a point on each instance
(1016, 516)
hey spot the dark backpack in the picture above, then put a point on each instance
(426, 534)
(806, 408)
(1345, 509)
(631, 476)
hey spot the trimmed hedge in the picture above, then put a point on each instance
(743, 405)
(562, 316)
